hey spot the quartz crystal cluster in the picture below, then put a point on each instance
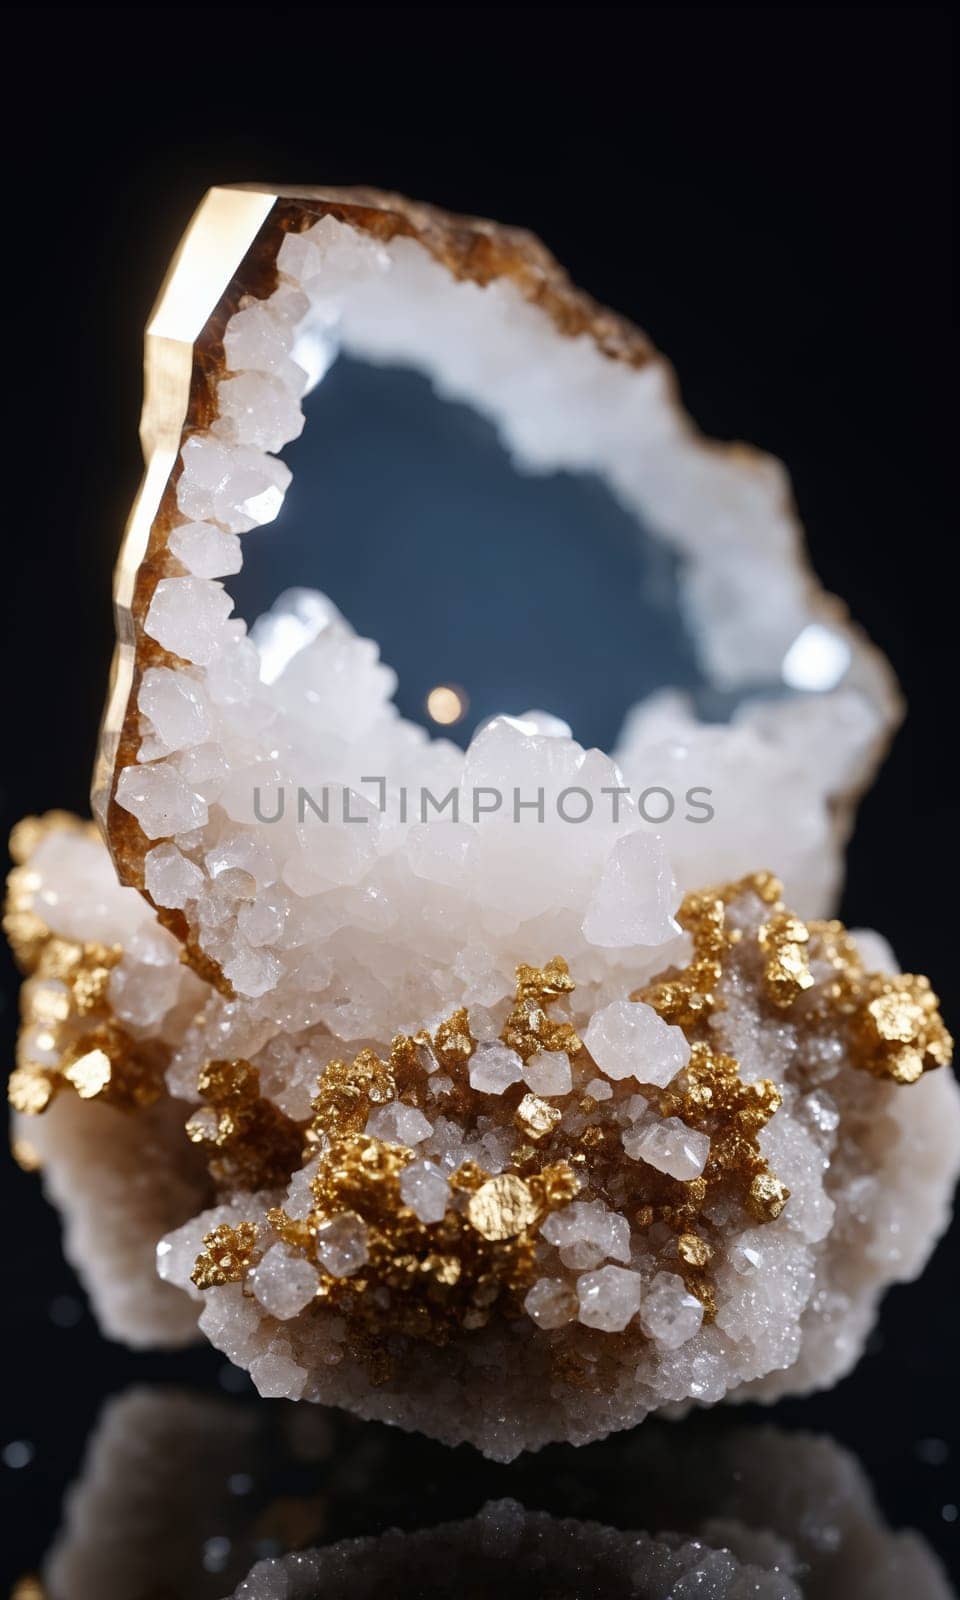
(456, 1095)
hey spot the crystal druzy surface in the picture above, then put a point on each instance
(503, 1094)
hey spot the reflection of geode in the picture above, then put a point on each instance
(508, 1551)
(505, 1550)
(178, 1493)
(430, 1169)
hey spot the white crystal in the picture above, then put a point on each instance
(439, 851)
(609, 1299)
(342, 1245)
(637, 895)
(744, 1254)
(256, 340)
(251, 972)
(548, 1072)
(231, 679)
(171, 880)
(177, 706)
(822, 1111)
(258, 409)
(300, 257)
(277, 1377)
(587, 1233)
(670, 1314)
(296, 618)
(263, 920)
(205, 550)
(425, 1190)
(543, 723)
(599, 1089)
(551, 1302)
(399, 1124)
(670, 1146)
(188, 617)
(243, 852)
(283, 1282)
(628, 1039)
(231, 484)
(146, 984)
(160, 800)
(493, 1068)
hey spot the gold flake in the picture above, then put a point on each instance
(468, 1177)
(593, 1138)
(25, 933)
(896, 1029)
(49, 1003)
(251, 1144)
(529, 1028)
(896, 1017)
(693, 1250)
(544, 983)
(555, 1185)
(445, 1269)
(787, 969)
(65, 1011)
(61, 958)
(346, 1093)
(299, 1233)
(705, 1293)
(537, 1118)
(502, 1207)
(30, 1090)
(89, 985)
(767, 1196)
(227, 1255)
(90, 1073)
(453, 1041)
(891, 1022)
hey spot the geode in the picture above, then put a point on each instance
(457, 1088)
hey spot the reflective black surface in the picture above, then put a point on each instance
(180, 1492)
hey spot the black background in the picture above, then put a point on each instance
(765, 192)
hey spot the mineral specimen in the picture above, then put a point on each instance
(452, 1095)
